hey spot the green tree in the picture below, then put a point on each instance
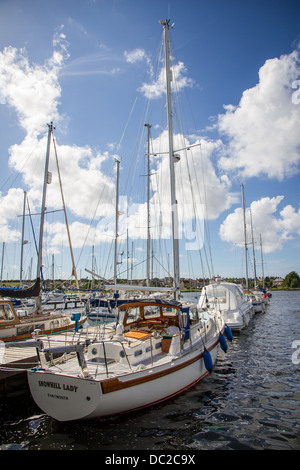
(291, 280)
(268, 282)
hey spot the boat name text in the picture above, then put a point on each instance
(70, 388)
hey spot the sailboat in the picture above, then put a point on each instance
(158, 349)
(14, 327)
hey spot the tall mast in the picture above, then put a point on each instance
(262, 262)
(245, 237)
(148, 204)
(3, 246)
(46, 181)
(117, 221)
(253, 249)
(22, 242)
(93, 268)
(174, 211)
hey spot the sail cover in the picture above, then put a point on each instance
(32, 291)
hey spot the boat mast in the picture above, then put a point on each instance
(174, 211)
(46, 181)
(3, 246)
(253, 250)
(22, 242)
(148, 204)
(262, 261)
(245, 237)
(117, 220)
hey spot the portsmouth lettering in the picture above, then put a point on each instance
(58, 386)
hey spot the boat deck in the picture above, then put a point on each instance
(99, 371)
(15, 360)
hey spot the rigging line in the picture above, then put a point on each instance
(126, 125)
(74, 272)
(206, 229)
(133, 156)
(142, 121)
(206, 225)
(169, 274)
(205, 220)
(179, 117)
(108, 257)
(94, 216)
(32, 228)
(134, 266)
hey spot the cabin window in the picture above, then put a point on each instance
(134, 315)
(194, 315)
(151, 312)
(6, 313)
(167, 311)
(239, 294)
(138, 352)
(217, 295)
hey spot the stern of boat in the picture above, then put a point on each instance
(64, 398)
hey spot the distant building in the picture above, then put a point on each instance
(277, 282)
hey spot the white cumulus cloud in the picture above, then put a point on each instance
(274, 225)
(263, 130)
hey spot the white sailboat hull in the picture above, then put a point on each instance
(67, 398)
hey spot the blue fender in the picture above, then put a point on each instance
(228, 333)
(223, 342)
(208, 360)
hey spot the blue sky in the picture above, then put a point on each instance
(93, 67)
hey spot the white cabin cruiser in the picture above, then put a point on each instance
(230, 300)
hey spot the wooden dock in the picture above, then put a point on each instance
(14, 361)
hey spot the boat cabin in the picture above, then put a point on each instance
(144, 329)
(147, 316)
(225, 295)
(14, 327)
(8, 315)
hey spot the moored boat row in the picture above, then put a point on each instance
(237, 308)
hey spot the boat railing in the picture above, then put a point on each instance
(101, 351)
(78, 348)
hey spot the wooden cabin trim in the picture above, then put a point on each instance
(43, 332)
(7, 323)
(114, 384)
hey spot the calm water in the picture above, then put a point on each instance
(250, 401)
